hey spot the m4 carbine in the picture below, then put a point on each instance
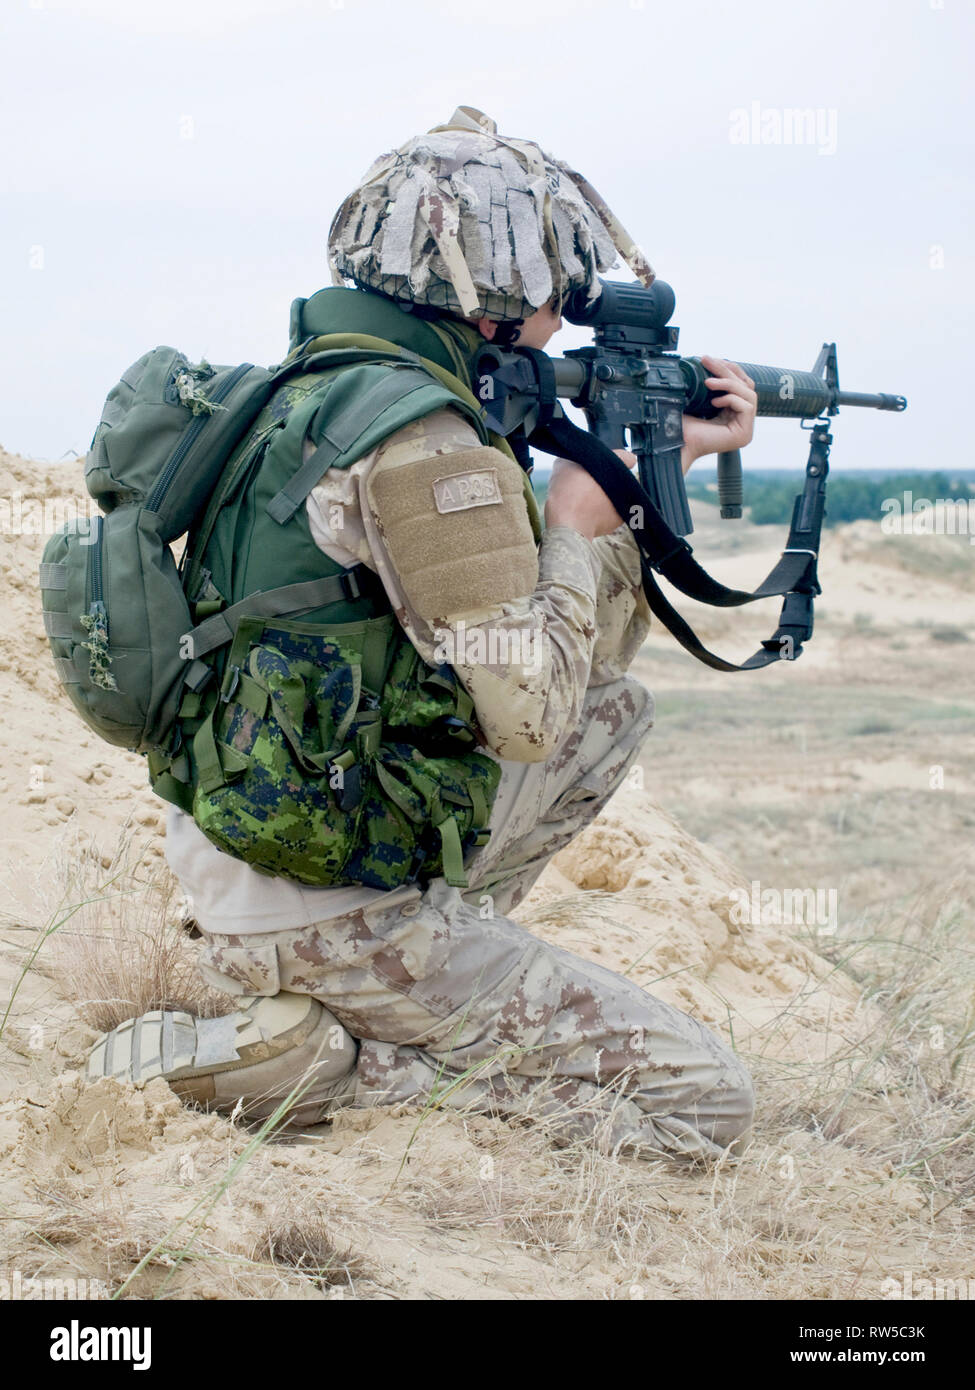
(634, 390)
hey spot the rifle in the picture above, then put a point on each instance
(634, 390)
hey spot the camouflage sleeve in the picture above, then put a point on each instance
(622, 611)
(470, 588)
(526, 663)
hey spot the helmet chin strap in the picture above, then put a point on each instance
(508, 332)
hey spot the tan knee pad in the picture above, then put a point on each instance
(256, 1056)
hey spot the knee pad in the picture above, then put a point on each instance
(256, 1056)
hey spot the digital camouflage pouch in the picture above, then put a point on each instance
(311, 768)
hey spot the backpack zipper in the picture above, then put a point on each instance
(97, 594)
(190, 436)
(95, 621)
(248, 463)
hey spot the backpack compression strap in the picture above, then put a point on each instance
(288, 601)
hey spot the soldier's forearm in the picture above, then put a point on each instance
(622, 611)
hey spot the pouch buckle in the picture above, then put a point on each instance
(351, 586)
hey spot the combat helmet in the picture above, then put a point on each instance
(467, 222)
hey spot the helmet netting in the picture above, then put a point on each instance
(468, 222)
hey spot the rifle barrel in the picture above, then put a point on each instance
(781, 391)
(878, 402)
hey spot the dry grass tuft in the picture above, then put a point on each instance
(308, 1247)
(124, 946)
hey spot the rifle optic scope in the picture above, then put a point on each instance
(631, 320)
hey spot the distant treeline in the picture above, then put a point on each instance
(849, 497)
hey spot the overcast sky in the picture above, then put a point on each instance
(170, 167)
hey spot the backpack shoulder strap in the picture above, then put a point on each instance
(371, 408)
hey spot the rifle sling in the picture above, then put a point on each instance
(794, 575)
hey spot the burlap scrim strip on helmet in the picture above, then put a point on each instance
(624, 243)
(474, 223)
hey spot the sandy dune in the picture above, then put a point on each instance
(108, 1183)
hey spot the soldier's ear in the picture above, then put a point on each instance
(487, 328)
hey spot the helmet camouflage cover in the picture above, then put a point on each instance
(475, 224)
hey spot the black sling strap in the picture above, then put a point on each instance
(795, 574)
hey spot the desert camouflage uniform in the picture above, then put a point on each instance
(445, 994)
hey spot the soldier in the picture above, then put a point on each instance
(370, 997)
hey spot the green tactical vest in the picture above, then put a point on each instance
(326, 751)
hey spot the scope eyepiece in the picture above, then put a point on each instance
(624, 306)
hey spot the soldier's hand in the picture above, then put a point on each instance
(733, 426)
(575, 500)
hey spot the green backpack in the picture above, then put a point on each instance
(147, 663)
(165, 433)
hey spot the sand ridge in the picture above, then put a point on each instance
(112, 1182)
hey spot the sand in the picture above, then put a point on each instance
(109, 1183)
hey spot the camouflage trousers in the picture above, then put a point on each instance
(450, 998)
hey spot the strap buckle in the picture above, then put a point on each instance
(198, 673)
(661, 560)
(202, 586)
(797, 615)
(420, 855)
(346, 780)
(351, 587)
